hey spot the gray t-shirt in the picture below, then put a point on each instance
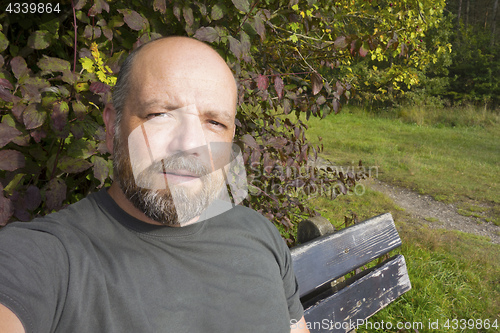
(93, 268)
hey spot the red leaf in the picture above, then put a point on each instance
(6, 95)
(262, 82)
(340, 42)
(363, 52)
(11, 160)
(98, 6)
(133, 19)
(249, 141)
(341, 186)
(99, 88)
(6, 208)
(255, 157)
(268, 163)
(6, 84)
(32, 198)
(206, 34)
(7, 134)
(317, 83)
(279, 86)
(242, 5)
(59, 115)
(336, 106)
(79, 4)
(160, 5)
(38, 135)
(277, 142)
(55, 194)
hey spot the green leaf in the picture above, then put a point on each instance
(258, 25)
(235, 46)
(218, 12)
(79, 109)
(39, 40)
(101, 169)
(87, 64)
(4, 42)
(11, 160)
(50, 65)
(32, 118)
(13, 184)
(19, 67)
(187, 13)
(81, 149)
(340, 42)
(206, 34)
(79, 4)
(69, 164)
(242, 5)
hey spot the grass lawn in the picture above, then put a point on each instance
(455, 276)
(459, 164)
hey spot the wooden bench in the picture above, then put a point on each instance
(333, 304)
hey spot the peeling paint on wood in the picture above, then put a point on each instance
(329, 257)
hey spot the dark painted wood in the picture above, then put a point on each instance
(363, 296)
(332, 256)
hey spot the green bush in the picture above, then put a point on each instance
(57, 70)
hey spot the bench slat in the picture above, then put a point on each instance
(341, 311)
(332, 256)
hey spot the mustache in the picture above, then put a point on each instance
(190, 164)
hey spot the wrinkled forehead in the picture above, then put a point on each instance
(212, 94)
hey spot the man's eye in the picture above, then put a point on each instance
(157, 115)
(216, 123)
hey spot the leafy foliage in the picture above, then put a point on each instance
(57, 71)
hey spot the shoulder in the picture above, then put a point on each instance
(68, 220)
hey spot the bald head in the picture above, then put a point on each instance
(178, 57)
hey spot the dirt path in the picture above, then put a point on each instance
(425, 207)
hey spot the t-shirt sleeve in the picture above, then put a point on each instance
(291, 285)
(33, 273)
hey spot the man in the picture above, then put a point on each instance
(158, 251)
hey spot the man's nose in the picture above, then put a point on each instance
(188, 136)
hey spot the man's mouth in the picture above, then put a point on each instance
(181, 173)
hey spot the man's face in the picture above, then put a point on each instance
(173, 140)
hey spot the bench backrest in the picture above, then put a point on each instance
(327, 258)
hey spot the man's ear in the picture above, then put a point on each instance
(109, 116)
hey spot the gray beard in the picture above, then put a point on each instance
(173, 206)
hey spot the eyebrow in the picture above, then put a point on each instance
(219, 115)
